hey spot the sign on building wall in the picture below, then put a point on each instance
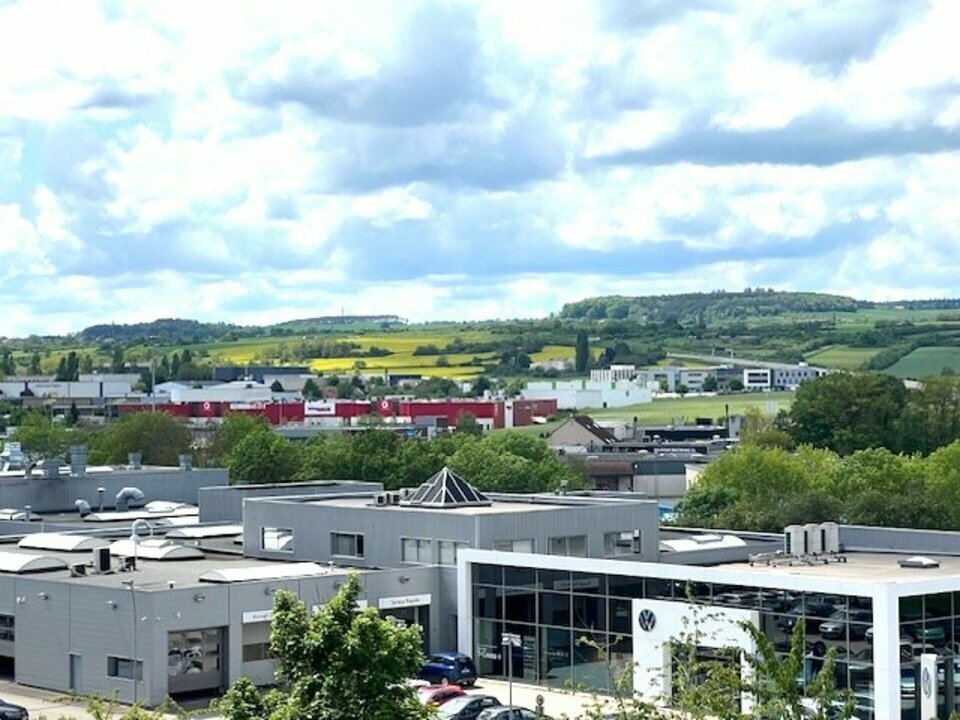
(392, 603)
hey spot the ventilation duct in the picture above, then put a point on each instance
(186, 462)
(78, 459)
(128, 496)
(50, 468)
(83, 507)
(135, 461)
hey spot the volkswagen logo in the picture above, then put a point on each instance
(648, 621)
(927, 682)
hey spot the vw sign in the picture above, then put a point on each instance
(647, 620)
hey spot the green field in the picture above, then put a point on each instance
(842, 357)
(672, 410)
(926, 361)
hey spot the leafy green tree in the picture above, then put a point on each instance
(943, 482)
(41, 437)
(86, 364)
(339, 663)
(481, 385)
(931, 418)
(117, 363)
(581, 352)
(847, 412)
(263, 456)
(735, 385)
(35, 368)
(709, 383)
(467, 423)
(234, 427)
(159, 436)
(311, 391)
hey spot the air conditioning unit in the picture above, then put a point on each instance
(381, 499)
(830, 537)
(814, 541)
(101, 559)
(794, 540)
(394, 498)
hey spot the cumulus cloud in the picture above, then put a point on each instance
(465, 159)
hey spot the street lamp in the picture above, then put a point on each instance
(509, 641)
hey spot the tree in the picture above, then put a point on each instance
(481, 385)
(160, 437)
(117, 364)
(35, 364)
(41, 437)
(311, 391)
(847, 412)
(276, 386)
(340, 663)
(467, 423)
(581, 352)
(234, 427)
(86, 364)
(709, 383)
(262, 456)
(735, 385)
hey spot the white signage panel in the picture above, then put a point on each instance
(393, 603)
(319, 408)
(255, 616)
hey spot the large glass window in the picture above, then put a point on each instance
(524, 546)
(416, 550)
(124, 668)
(346, 544)
(448, 550)
(573, 545)
(623, 542)
(276, 539)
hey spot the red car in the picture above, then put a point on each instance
(436, 695)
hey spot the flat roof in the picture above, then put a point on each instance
(861, 566)
(496, 507)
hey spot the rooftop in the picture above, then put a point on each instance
(860, 566)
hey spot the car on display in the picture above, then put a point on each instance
(466, 707)
(509, 712)
(10, 711)
(435, 695)
(449, 668)
(835, 626)
(934, 634)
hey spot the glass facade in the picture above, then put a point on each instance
(930, 624)
(576, 628)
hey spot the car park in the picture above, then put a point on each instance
(449, 668)
(466, 707)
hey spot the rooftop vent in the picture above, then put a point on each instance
(918, 561)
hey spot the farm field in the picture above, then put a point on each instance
(842, 357)
(669, 410)
(926, 361)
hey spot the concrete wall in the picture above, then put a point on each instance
(224, 503)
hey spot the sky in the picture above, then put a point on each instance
(254, 162)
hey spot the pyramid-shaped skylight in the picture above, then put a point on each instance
(446, 489)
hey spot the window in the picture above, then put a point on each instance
(575, 546)
(193, 651)
(7, 628)
(514, 546)
(124, 668)
(449, 551)
(623, 542)
(415, 550)
(276, 539)
(346, 544)
(257, 651)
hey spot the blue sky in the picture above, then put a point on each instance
(460, 160)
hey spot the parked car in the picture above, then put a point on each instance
(449, 668)
(9, 711)
(436, 695)
(509, 712)
(836, 626)
(935, 634)
(466, 707)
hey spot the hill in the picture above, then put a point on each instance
(707, 308)
(164, 330)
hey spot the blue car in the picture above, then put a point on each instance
(449, 668)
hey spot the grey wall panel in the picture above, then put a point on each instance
(42, 634)
(58, 494)
(877, 539)
(225, 503)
